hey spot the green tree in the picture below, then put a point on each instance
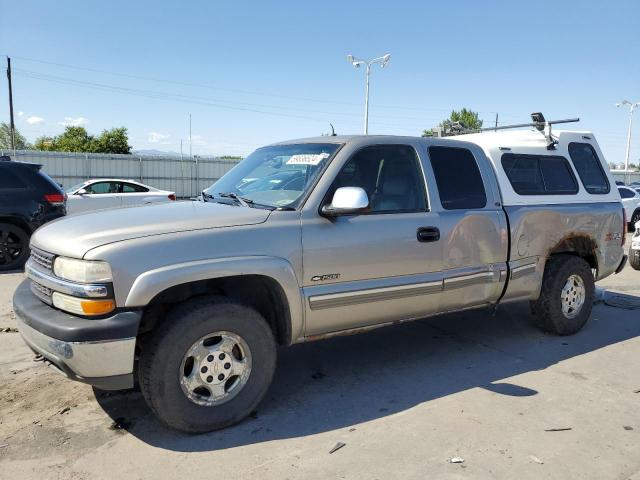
(5, 138)
(76, 139)
(115, 140)
(462, 120)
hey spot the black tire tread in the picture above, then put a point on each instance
(23, 258)
(153, 349)
(547, 310)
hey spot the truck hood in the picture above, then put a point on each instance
(74, 236)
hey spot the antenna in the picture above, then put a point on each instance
(333, 132)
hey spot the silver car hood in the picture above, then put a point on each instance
(74, 236)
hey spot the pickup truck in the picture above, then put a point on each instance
(312, 238)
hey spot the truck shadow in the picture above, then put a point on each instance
(339, 383)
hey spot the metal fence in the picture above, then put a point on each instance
(626, 177)
(185, 176)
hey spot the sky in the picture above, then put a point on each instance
(253, 73)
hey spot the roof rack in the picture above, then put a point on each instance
(539, 123)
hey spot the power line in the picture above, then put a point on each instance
(247, 92)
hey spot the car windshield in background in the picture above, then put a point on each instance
(75, 187)
(276, 176)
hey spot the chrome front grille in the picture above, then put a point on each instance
(43, 259)
(42, 292)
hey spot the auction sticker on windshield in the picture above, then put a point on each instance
(307, 159)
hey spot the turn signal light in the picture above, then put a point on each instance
(97, 307)
(172, 197)
(82, 306)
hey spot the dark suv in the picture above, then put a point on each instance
(28, 199)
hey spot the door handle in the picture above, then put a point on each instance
(428, 234)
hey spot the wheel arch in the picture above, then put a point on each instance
(580, 245)
(267, 284)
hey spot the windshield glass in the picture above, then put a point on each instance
(75, 187)
(276, 176)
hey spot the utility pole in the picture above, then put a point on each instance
(190, 152)
(12, 124)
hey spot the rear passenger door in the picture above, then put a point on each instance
(133, 194)
(473, 225)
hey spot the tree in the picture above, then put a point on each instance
(5, 138)
(76, 139)
(458, 121)
(115, 140)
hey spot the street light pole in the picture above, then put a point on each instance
(632, 107)
(357, 63)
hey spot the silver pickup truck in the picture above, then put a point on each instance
(312, 238)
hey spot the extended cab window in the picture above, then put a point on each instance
(391, 176)
(539, 174)
(589, 168)
(458, 178)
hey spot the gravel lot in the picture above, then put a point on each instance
(404, 401)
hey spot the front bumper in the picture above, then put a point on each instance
(98, 352)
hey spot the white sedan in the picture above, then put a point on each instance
(631, 204)
(112, 193)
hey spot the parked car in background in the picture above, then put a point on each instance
(104, 193)
(634, 250)
(631, 202)
(28, 199)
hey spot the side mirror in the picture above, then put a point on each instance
(81, 192)
(347, 201)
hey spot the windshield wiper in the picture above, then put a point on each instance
(245, 202)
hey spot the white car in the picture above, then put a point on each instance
(112, 193)
(631, 203)
(634, 250)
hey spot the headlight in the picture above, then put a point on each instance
(82, 271)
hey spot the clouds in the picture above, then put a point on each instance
(155, 137)
(74, 122)
(34, 120)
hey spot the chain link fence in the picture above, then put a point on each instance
(185, 176)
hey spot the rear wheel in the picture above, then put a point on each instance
(208, 365)
(566, 296)
(14, 247)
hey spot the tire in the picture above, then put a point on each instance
(164, 362)
(634, 218)
(634, 259)
(548, 309)
(14, 247)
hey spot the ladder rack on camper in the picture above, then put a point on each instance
(539, 123)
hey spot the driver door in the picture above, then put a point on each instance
(100, 195)
(373, 267)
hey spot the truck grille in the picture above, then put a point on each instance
(43, 259)
(42, 292)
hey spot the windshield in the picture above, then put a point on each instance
(75, 187)
(275, 176)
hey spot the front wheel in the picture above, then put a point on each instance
(208, 365)
(14, 247)
(566, 297)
